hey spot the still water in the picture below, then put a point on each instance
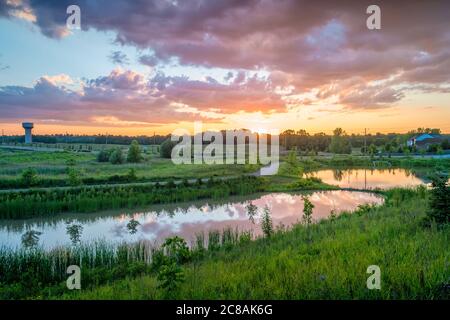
(369, 179)
(159, 222)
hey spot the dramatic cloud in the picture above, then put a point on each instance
(125, 96)
(318, 47)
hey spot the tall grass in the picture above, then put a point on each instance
(34, 271)
(332, 265)
(16, 205)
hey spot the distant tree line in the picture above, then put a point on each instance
(338, 142)
(85, 139)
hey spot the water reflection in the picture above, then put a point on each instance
(368, 178)
(74, 231)
(30, 239)
(132, 226)
(186, 220)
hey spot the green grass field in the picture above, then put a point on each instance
(51, 168)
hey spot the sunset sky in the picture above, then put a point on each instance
(138, 67)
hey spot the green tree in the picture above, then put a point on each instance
(116, 156)
(166, 148)
(104, 155)
(74, 177)
(340, 144)
(266, 222)
(307, 210)
(372, 150)
(176, 249)
(134, 152)
(74, 231)
(388, 148)
(445, 145)
(174, 252)
(439, 205)
(170, 276)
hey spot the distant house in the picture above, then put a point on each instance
(423, 141)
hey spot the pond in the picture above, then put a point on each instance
(159, 222)
(369, 178)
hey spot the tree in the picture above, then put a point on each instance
(307, 210)
(372, 150)
(116, 156)
(445, 145)
(134, 152)
(388, 148)
(74, 231)
(166, 148)
(252, 211)
(104, 155)
(439, 205)
(132, 226)
(30, 238)
(170, 276)
(266, 223)
(74, 177)
(340, 143)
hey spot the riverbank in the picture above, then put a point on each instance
(327, 260)
(35, 203)
(312, 163)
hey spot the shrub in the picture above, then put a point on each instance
(292, 166)
(339, 144)
(307, 210)
(176, 249)
(29, 177)
(166, 148)
(104, 155)
(131, 175)
(266, 223)
(170, 276)
(134, 152)
(74, 177)
(439, 205)
(116, 156)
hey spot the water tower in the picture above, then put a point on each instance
(28, 126)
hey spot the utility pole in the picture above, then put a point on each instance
(154, 141)
(365, 141)
(3, 136)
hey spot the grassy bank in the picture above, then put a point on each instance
(53, 168)
(327, 260)
(32, 203)
(348, 161)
